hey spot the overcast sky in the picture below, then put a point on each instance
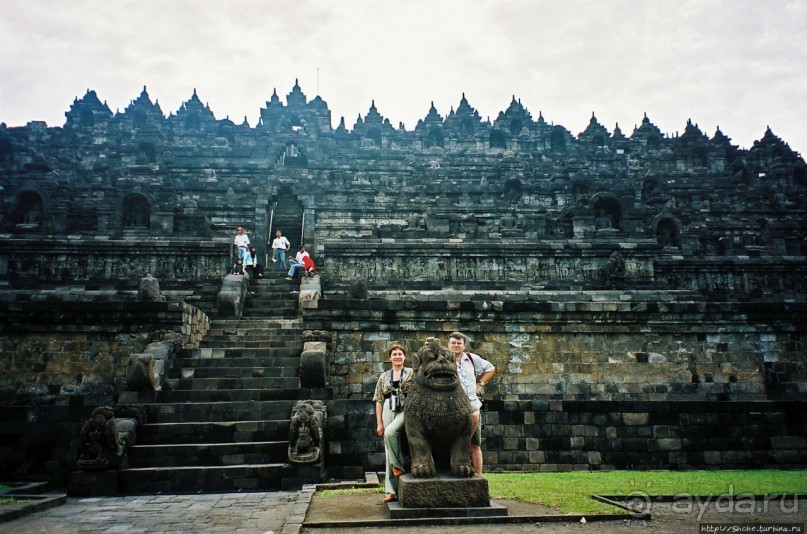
(737, 64)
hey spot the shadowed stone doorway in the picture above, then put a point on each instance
(286, 213)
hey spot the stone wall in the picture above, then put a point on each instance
(77, 258)
(590, 380)
(734, 276)
(500, 261)
(60, 360)
(66, 352)
(42, 442)
(566, 435)
(604, 346)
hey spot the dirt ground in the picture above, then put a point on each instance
(679, 517)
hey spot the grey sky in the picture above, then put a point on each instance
(738, 64)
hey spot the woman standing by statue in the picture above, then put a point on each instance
(389, 408)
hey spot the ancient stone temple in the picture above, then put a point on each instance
(642, 296)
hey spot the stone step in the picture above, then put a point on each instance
(198, 384)
(211, 454)
(277, 327)
(276, 275)
(288, 368)
(275, 284)
(273, 280)
(285, 324)
(270, 312)
(284, 298)
(247, 314)
(280, 293)
(232, 348)
(257, 352)
(234, 342)
(273, 331)
(235, 358)
(234, 395)
(202, 412)
(229, 353)
(278, 287)
(213, 431)
(284, 295)
(256, 334)
(197, 479)
(270, 309)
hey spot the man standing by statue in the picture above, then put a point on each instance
(474, 372)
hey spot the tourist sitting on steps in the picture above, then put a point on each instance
(238, 268)
(306, 263)
(389, 407)
(297, 262)
(251, 264)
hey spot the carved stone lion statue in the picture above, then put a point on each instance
(437, 414)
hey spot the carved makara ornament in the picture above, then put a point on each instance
(107, 436)
(305, 433)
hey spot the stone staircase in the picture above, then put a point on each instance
(222, 420)
(272, 296)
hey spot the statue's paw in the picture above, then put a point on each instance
(462, 470)
(423, 471)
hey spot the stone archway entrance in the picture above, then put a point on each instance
(285, 213)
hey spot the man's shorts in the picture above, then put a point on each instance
(476, 437)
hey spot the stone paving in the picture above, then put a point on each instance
(275, 512)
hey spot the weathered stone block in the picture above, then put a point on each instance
(788, 442)
(149, 290)
(634, 419)
(160, 350)
(313, 368)
(712, 457)
(669, 444)
(230, 299)
(443, 491)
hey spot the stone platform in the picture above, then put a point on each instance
(494, 509)
(443, 491)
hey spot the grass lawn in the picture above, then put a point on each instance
(571, 492)
(11, 500)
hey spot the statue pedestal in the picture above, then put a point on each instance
(444, 496)
(396, 511)
(443, 491)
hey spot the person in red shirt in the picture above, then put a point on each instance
(303, 262)
(308, 266)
